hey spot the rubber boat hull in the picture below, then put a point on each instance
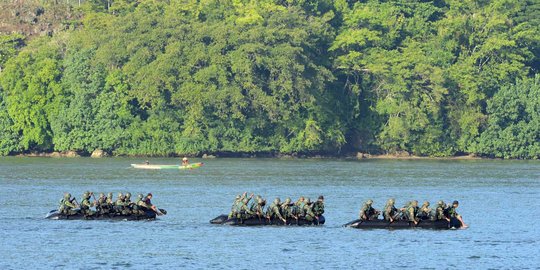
(224, 220)
(165, 167)
(402, 224)
(149, 215)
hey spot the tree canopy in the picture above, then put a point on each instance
(431, 78)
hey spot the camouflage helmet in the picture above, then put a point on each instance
(109, 195)
(288, 200)
(260, 200)
(391, 201)
(140, 196)
(414, 203)
(277, 201)
(67, 195)
(301, 199)
(128, 195)
(369, 202)
(238, 197)
(426, 203)
(120, 195)
(85, 195)
(440, 203)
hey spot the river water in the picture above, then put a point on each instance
(498, 199)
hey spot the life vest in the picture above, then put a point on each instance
(308, 212)
(389, 211)
(368, 210)
(85, 204)
(411, 216)
(318, 208)
(273, 210)
(119, 203)
(287, 210)
(452, 212)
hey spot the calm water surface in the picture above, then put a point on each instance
(499, 200)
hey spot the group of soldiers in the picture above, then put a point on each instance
(245, 207)
(105, 205)
(411, 212)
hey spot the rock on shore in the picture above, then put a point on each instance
(98, 153)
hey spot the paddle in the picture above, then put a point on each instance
(395, 217)
(76, 202)
(95, 201)
(157, 210)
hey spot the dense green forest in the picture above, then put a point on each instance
(332, 77)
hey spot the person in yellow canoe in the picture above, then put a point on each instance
(185, 161)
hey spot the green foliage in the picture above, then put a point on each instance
(31, 81)
(514, 122)
(427, 67)
(9, 141)
(162, 78)
(9, 44)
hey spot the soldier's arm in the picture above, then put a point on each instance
(388, 213)
(445, 215)
(309, 212)
(278, 214)
(412, 216)
(70, 204)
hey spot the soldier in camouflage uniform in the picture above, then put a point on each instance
(86, 204)
(403, 211)
(367, 212)
(298, 207)
(439, 212)
(119, 204)
(140, 206)
(273, 211)
(257, 208)
(110, 199)
(67, 207)
(308, 211)
(243, 210)
(318, 206)
(424, 212)
(287, 209)
(102, 206)
(412, 211)
(127, 204)
(390, 211)
(254, 203)
(235, 206)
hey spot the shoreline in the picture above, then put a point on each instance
(352, 156)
